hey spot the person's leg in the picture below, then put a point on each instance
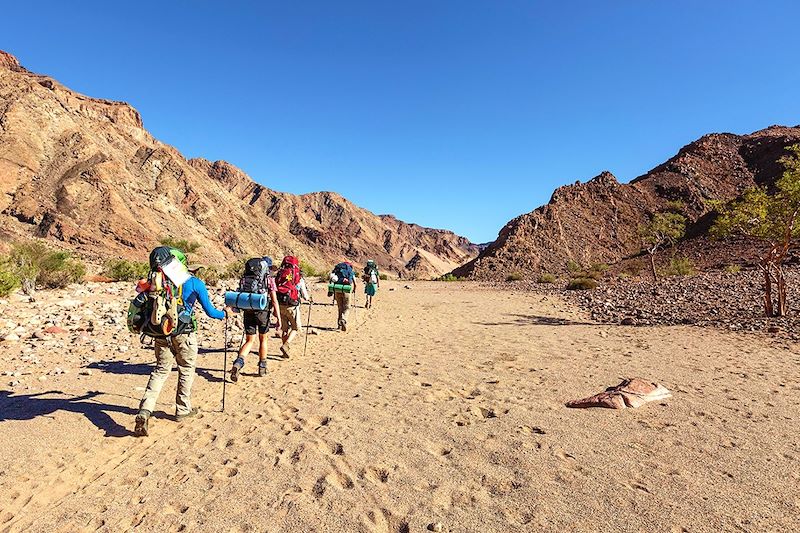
(159, 375)
(156, 382)
(185, 347)
(345, 310)
(238, 364)
(285, 319)
(262, 352)
(339, 307)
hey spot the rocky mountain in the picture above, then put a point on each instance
(84, 172)
(597, 221)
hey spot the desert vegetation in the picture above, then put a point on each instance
(32, 265)
(770, 216)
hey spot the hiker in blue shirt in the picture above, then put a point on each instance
(181, 348)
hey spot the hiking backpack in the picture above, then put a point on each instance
(344, 273)
(287, 279)
(158, 310)
(254, 279)
(371, 272)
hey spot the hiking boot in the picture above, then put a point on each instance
(180, 418)
(344, 326)
(262, 369)
(142, 419)
(285, 350)
(237, 366)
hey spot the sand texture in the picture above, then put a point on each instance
(443, 407)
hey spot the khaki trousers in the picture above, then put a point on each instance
(183, 349)
(343, 305)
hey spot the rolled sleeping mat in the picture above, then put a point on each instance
(246, 300)
(338, 287)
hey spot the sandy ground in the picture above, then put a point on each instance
(444, 404)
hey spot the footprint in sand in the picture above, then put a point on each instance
(375, 474)
(384, 521)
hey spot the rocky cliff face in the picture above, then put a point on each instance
(84, 172)
(597, 221)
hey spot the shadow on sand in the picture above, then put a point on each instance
(535, 320)
(30, 406)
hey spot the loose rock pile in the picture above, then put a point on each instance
(715, 298)
(69, 331)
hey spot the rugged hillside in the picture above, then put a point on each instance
(84, 172)
(597, 221)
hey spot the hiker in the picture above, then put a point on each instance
(372, 280)
(257, 279)
(291, 289)
(164, 310)
(343, 283)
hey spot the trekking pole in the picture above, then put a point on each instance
(355, 307)
(225, 364)
(308, 329)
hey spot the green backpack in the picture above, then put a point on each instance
(158, 311)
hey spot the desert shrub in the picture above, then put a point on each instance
(59, 269)
(124, 270)
(675, 206)
(384, 277)
(34, 265)
(678, 266)
(733, 269)
(599, 267)
(573, 267)
(183, 245)
(546, 278)
(590, 274)
(210, 275)
(514, 276)
(308, 270)
(448, 277)
(624, 275)
(581, 284)
(8, 281)
(233, 270)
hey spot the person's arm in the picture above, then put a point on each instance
(303, 288)
(202, 296)
(273, 296)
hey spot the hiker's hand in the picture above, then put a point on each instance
(228, 311)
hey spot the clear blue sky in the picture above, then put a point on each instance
(458, 114)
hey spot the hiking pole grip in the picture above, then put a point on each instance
(225, 364)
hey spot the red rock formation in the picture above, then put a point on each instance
(597, 221)
(83, 171)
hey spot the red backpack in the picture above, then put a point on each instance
(286, 281)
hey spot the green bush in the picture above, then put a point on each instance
(33, 264)
(183, 245)
(234, 270)
(546, 278)
(8, 281)
(733, 269)
(624, 275)
(675, 206)
(573, 267)
(384, 277)
(124, 270)
(581, 284)
(308, 270)
(679, 266)
(58, 269)
(211, 275)
(448, 277)
(514, 276)
(599, 267)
